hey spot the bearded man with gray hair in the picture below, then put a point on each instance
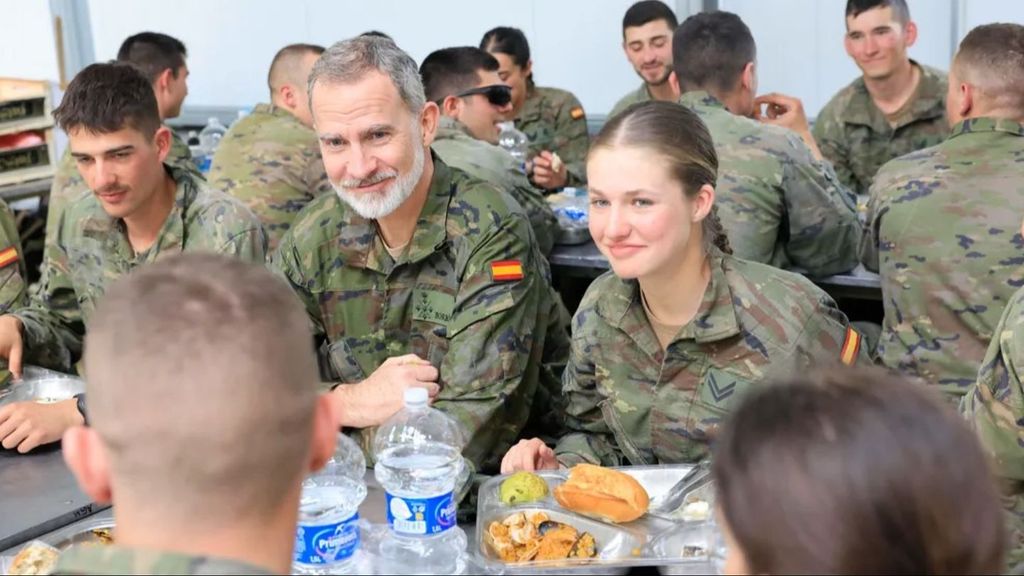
(415, 274)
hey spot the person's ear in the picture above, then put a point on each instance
(325, 433)
(428, 122)
(673, 81)
(86, 456)
(702, 202)
(162, 141)
(967, 94)
(910, 34)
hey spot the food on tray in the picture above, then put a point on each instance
(534, 537)
(693, 552)
(603, 493)
(695, 510)
(35, 558)
(104, 536)
(522, 487)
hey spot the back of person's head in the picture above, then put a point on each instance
(508, 40)
(710, 51)
(104, 98)
(676, 135)
(152, 53)
(377, 34)
(287, 69)
(855, 472)
(202, 386)
(450, 71)
(991, 59)
(647, 11)
(352, 60)
(900, 10)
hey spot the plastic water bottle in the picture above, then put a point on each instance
(420, 465)
(515, 143)
(209, 138)
(327, 537)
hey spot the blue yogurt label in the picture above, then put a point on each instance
(327, 543)
(421, 516)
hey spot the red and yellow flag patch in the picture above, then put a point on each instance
(576, 113)
(8, 257)
(506, 270)
(851, 346)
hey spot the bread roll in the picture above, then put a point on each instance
(603, 493)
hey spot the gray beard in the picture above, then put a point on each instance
(378, 205)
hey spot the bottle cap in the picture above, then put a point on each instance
(416, 396)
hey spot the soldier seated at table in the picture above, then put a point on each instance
(473, 100)
(415, 273)
(942, 232)
(781, 204)
(270, 159)
(665, 343)
(199, 438)
(138, 209)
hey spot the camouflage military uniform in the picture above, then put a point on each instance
(632, 402)
(778, 204)
(943, 235)
(91, 250)
(641, 94)
(68, 184)
(553, 120)
(445, 299)
(459, 149)
(92, 559)
(271, 162)
(857, 138)
(12, 263)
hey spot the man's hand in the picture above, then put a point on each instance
(25, 425)
(788, 112)
(549, 172)
(374, 400)
(11, 344)
(529, 455)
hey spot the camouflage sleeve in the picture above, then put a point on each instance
(574, 141)
(828, 337)
(315, 177)
(828, 133)
(486, 379)
(181, 156)
(249, 244)
(824, 232)
(589, 438)
(994, 406)
(869, 242)
(53, 325)
(12, 263)
(538, 210)
(286, 262)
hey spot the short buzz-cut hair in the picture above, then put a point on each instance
(449, 71)
(349, 61)
(104, 98)
(647, 11)
(710, 51)
(152, 53)
(991, 58)
(202, 386)
(286, 67)
(900, 10)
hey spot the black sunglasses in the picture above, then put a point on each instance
(497, 94)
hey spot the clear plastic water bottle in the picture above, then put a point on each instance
(515, 143)
(420, 465)
(327, 537)
(209, 138)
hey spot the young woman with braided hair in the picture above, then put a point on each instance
(665, 343)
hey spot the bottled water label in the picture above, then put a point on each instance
(327, 543)
(421, 516)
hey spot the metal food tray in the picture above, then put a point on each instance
(647, 541)
(572, 235)
(41, 385)
(79, 533)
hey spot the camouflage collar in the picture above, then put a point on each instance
(92, 559)
(532, 108)
(715, 320)
(700, 99)
(986, 124)
(447, 127)
(361, 246)
(930, 103)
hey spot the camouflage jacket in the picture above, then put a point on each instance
(271, 162)
(92, 250)
(641, 94)
(632, 402)
(857, 138)
(470, 294)
(943, 235)
(12, 263)
(459, 149)
(554, 120)
(68, 184)
(91, 559)
(779, 205)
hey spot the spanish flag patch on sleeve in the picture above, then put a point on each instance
(8, 256)
(851, 346)
(576, 113)
(506, 270)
